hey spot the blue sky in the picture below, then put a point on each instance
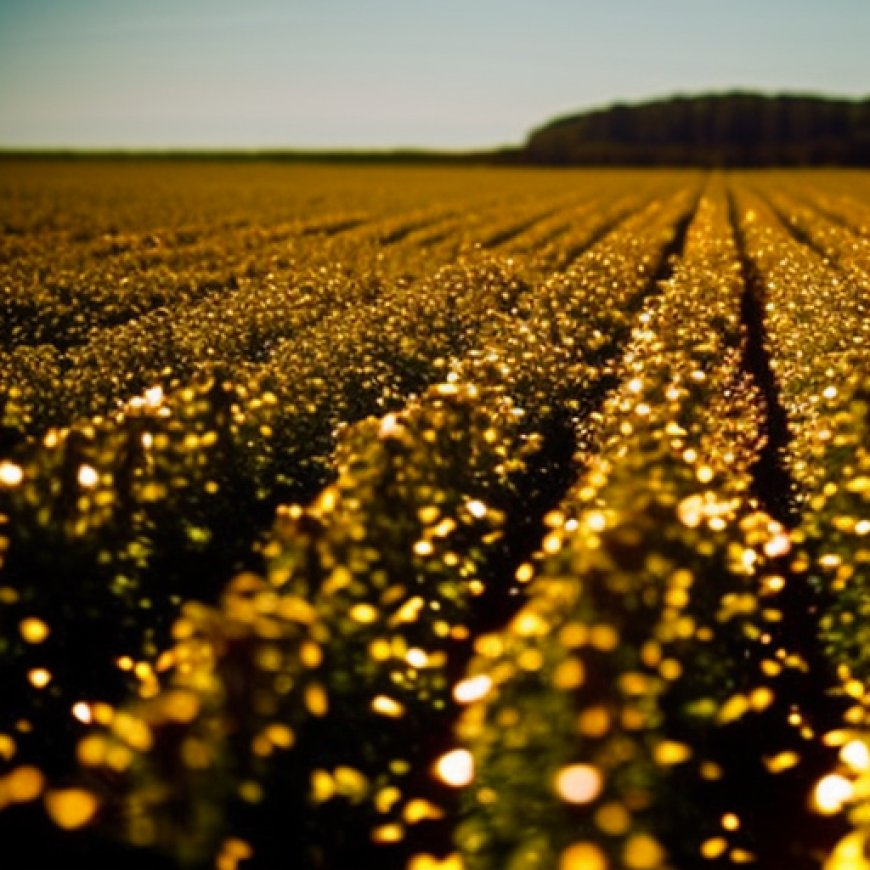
(382, 73)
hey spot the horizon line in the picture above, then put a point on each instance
(119, 149)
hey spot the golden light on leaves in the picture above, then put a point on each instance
(386, 798)
(386, 706)
(613, 819)
(365, 614)
(350, 782)
(232, 852)
(82, 712)
(713, 848)
(322, 786)
(417, 658)
(856, 754)
(529, 624)
(734, 708)
(850, 853)
(34, 630)
(778, 545)
(181, 706)
(10, 473)
(430, 862)
(391, 833)
(476, 508)
(424, 548)
(455, 768)
(782, 761)
(88, 476)
(39, 677)
(316, 700)
(569, 674)
(280, 735)
(8, 747)
(704, 474)
(472, 689)
(71, 808)
(831, 793)
(578, 783)
(596, 520)
(594, 722)
(22, 785)
(421, 810)
(524, 573)
(583, 856)
(643, 852)
(730, 822)
(669, 752)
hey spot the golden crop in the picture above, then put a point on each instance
(425, 518)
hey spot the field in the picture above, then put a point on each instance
(408, 517)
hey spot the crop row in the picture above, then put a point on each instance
(592, 716)
(405, 538)
(48, 385)
(56, 290)
(834, 241)
(812, 305)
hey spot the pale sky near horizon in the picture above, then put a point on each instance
(392, 73)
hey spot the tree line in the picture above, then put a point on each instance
(734, 129)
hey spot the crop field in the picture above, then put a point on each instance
(433, 518)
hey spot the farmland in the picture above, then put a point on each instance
(449, 517)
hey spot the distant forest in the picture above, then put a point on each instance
(735, 129)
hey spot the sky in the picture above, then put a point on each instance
(392, 73)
